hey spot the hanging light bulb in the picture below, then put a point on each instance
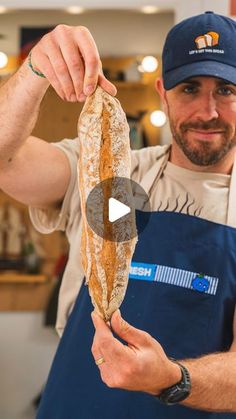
(140, 68)
(149, 63)
(150, 9)
(3, 59)
(158, 118)
(74, 10)
(3, 9)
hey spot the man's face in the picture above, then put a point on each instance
(202, 114)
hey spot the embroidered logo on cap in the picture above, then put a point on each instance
(204, 44)
(210, 39)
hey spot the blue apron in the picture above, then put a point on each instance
(182, 290)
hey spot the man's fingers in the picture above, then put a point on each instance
(91, 58)
(104, 341)
(107, 85)
(100, 325)
(43, 64)
(75, 67)
(61, 70)
(74, 61)
(99, 359)
(123, 329)
(69, 58)
(128, 333)
(102, 334)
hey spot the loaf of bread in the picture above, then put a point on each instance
(210, 39)
(103, 134)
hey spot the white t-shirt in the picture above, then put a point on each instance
(205, 195)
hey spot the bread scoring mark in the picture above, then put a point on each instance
(87, 245)
(108, 253)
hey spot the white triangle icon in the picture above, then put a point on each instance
(117, 209)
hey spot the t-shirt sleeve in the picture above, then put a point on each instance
(48, 220)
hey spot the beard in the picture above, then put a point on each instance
(204, 153)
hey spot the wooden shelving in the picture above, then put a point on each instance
(130, 84)
(18, 278)
(22, 292)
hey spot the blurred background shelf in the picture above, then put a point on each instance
(22, 292)
(130, 84)
(15, 278)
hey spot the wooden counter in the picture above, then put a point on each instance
(23, 292)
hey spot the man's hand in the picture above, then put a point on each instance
(141, 365)
(69, 59)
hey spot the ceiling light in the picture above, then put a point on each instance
(140, 68)
(149, 63)
(150, 9)
(158, 118)
(74, 10)
(3, 59)
(3, 9)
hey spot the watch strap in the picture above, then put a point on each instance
(179, 391)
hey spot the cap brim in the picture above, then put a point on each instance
(201, 68)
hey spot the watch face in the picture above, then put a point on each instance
(177, 396)
(179, 391)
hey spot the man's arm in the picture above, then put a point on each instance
(37, 175)
(31, 170)
(142, 365)
(214, 380)
(29, 167)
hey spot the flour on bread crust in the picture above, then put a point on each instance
(103, 134)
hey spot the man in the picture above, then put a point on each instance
(186, 311)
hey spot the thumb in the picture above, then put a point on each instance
(100, 325)
(128, 333)
(107, 85)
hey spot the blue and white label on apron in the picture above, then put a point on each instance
(174, 276)
(143, 271)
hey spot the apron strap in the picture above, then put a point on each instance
(153, 175)
(231, 214)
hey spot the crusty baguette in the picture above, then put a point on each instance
(104, 153)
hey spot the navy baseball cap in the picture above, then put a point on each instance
(202, 45)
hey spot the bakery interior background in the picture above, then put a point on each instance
(30, 264)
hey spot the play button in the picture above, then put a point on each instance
(113, 206)
(117, 210)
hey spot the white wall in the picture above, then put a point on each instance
(187, 8)
(26, 352)
(116, 32)
(119, 4)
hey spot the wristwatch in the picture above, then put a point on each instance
(179, 391)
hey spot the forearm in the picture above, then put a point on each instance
(213, 382)
(20, 99)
